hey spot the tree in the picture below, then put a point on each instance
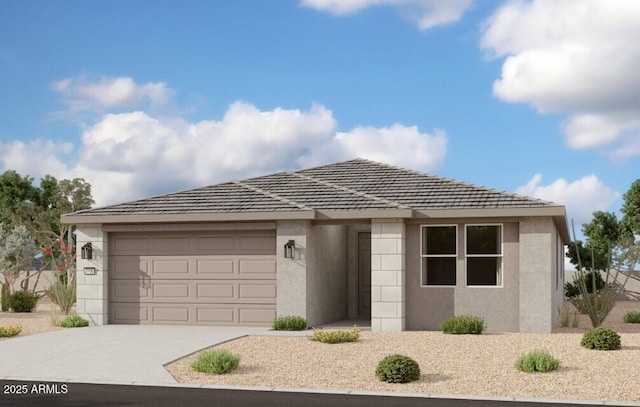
(17, 250)
(602, 233)
(16, 192)
(630, 223)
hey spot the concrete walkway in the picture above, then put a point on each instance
(109, 353)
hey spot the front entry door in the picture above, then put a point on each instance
(364, 275)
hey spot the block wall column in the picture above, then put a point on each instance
(92, 289)
(388, 275)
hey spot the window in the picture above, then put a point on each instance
(438, 255)
(484, 255)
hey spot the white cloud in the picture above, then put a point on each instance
(581, 197)
(81, 94)
(426, 13)
(574, 57)
(132, 155)
(36, 158)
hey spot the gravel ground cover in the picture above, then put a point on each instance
(32, 322)
(451, 364)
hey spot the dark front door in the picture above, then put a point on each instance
(364, 275)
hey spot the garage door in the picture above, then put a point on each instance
(221, 278)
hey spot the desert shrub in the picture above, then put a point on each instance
(632, 317)
(216, 361)
(398, 369)
(23, 301)
(72, 321)
(572, 289)
(63, 295)
(4, 294)
(290, 323)
(569, 318)
(537, 361)
(335, 335)
(601, 339)
(7, 331)
(463, 324)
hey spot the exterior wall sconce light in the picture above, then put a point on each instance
(289, 249)
(87, 252)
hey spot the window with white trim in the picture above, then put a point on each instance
(483, 254)
(439, 254)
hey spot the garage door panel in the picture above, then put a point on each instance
(216, 291)
(128, 314)
(170, 245)
(215, 268)
(216, 244)
(171, 315)
(128, 267)
(253, 291)
(253, 316)
(191, 314)
(127, 290)
(169, 267)
(129, 245)
(222, 315)
(257, 244)
(261, 267)
(166, 290)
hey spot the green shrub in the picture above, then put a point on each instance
(4, 301)
(290, 323)
(216, 361)
(632, 317)
(72, 321)
(601, 339)
(7, 331)
(572, 289)
(335, 335)
(23, 301)
(398, 369)
(537, 361)
(463, 324)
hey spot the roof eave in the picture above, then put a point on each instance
(364, 214)
(74, 219)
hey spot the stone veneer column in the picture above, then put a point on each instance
(92, 290)
(388, 275)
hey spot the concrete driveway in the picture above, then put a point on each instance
(109, 353)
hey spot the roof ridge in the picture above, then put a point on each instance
(272, 195)
(352, 191)
(469, 184)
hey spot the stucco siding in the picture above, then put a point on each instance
(326, 274)
(537, 274)
(427, 307)
(291, 275)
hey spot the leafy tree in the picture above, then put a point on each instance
(17, 250)
(602, 233)
(630, 223)
(16, 192)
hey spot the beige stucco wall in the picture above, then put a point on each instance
(427, 307)
(326, 274)
(291, 274)
(540, 300)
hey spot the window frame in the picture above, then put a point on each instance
(500, 256)
(423, 275)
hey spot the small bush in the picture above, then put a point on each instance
(632, 317)
(463, 324)
(23, 301)
(398, 369)
(601, 339)
(72, 321)
(537, 361)
(8, 331)
(290, 323)
(335, 335)
(216, 361)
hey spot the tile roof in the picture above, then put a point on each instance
(357, 184)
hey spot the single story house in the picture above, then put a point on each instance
(353, 240)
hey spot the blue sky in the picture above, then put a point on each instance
(147, 97)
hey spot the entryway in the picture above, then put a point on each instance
(364, 275)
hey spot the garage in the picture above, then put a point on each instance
(192, 278)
